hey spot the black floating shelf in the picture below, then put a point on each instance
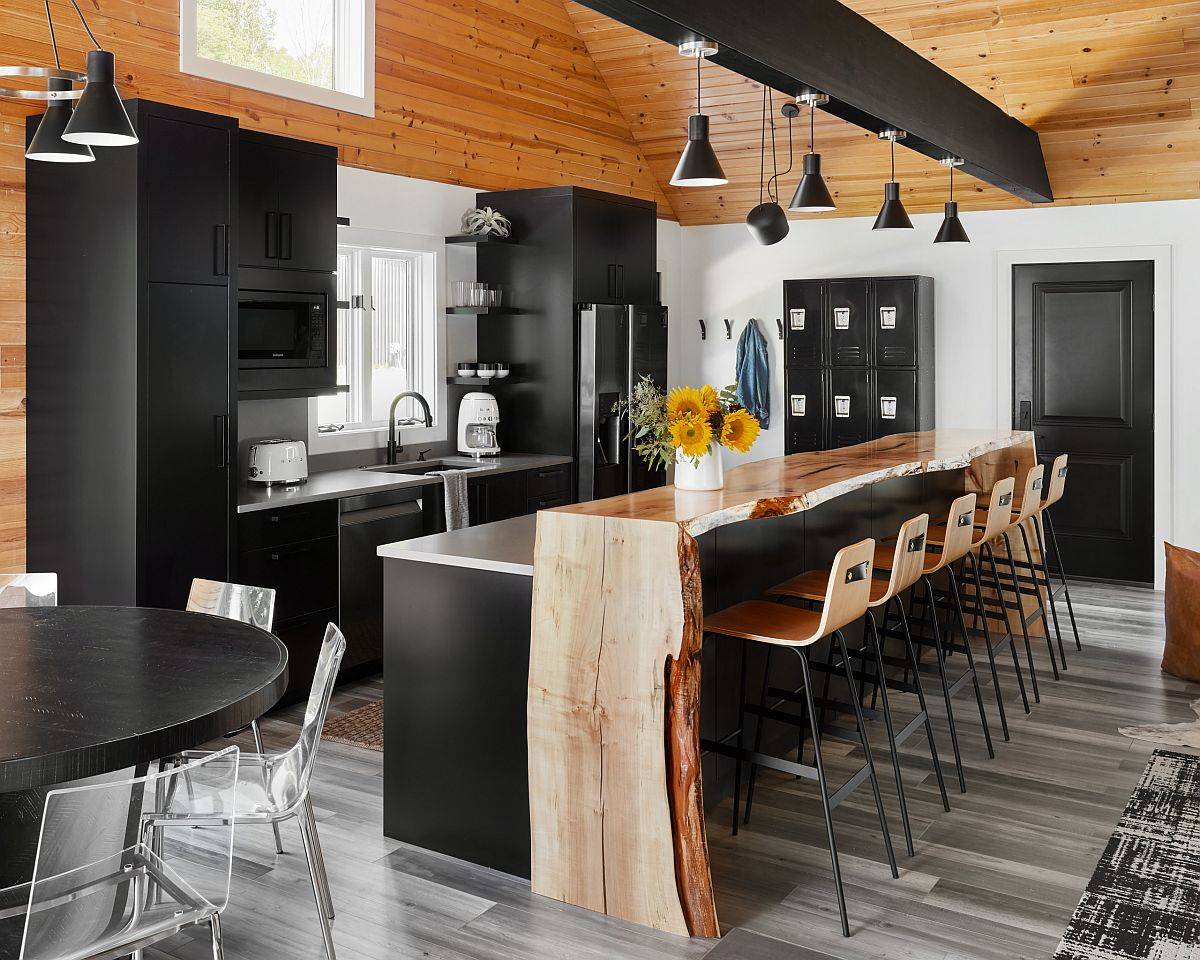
(471, 238)
(287, 393)
(482, 381)
(480, 311)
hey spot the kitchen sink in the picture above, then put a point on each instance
(415, 468)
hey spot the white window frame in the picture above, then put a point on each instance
(434, 283)
(191, 62)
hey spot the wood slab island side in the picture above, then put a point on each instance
(616, 805)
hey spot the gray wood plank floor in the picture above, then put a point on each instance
(997, 878)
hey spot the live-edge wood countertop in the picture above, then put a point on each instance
(783, 485)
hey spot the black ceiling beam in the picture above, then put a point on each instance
(873, 80)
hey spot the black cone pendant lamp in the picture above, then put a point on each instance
(812, 196)
(767, 222)
(47, 143)
(698, 165)
(892, 215)
(951, 230)
(100, 119)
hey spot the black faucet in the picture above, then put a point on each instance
(393, 443)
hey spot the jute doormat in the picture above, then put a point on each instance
(359, 728)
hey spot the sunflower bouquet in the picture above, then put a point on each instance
(686, 422)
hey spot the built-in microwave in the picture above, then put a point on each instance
(283, 330)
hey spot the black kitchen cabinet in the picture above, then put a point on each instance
(131, 332)
(189, 496)
(859, 355)
(287, 201)
(188, 178)
(615, 250)
(497, 498)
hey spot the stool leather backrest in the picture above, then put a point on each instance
(999, 511)
(849, 592)
(1031, 498)
(910, 557)
(1058, 481)
(960, 527)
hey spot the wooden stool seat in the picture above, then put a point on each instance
(885, 556)
(768, 622)
(813, 584)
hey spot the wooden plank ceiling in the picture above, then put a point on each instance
(1111, 86)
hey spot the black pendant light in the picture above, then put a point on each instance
(951, 230)
(47, 143)
(100, 119)
(698, 165)
(767, 222)
(892, 215)
(812, 196)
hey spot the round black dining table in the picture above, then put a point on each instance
(86, 691)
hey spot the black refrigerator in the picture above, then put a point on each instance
(618, 345)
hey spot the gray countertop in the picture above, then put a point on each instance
(502, 547)
(335, 484)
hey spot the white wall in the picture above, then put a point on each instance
(727, 274)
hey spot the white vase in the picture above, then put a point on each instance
(708, 474)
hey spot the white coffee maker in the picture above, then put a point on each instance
(478, 419)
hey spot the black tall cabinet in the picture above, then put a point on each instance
(131, 347)
(581, 278)
(859, 360)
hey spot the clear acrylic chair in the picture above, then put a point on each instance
(124, 864)
(28, 589)
(234, 601)
(273, 787)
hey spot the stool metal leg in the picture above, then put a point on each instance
(1037, 589)
(911, 655)
(824, 791)
(1062, 572)
(891, 734)
(970, 655)
(987, 640)
(941, 668)
(741, 721)
(866, 745)
(1037, 697)
(1012, 572)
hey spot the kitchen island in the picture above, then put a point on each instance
(591, 633)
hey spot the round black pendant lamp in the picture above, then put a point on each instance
(767, 222)
(892, 215)
(99, 118)
(698, 165)
(812, 196)
(951, 230)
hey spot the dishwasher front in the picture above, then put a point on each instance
(364, 524)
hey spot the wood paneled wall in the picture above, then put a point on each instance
(1112, 87)
(492, 94)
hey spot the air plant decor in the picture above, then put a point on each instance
(481, 221)
(687, 427)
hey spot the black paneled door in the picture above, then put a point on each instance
(1083, 381)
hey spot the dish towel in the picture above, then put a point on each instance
(753, 373)
(458, 514)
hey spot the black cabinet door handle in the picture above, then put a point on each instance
(272, 236)
(221, 439)
(285, 236)
(293, 552)
(620, 281)
(221, 250)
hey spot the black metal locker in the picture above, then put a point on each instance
(805, 409)
(894, 320)
(803, 307)
(895, 402)
(846, 323)
(848, 407)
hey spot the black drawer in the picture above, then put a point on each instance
(548, 480)
(303, 575)
(272, 528)
(303, 639)
(545, 503)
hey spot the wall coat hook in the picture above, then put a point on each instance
(703, 330)
(728, 329)
(779, 324)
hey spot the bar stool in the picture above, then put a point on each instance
(953, 545)
(1045, 538)
(846, 598)
(907, 562)
(991, 522)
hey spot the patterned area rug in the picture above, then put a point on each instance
(1143, 901)
(359, 728)
(1169, 734)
